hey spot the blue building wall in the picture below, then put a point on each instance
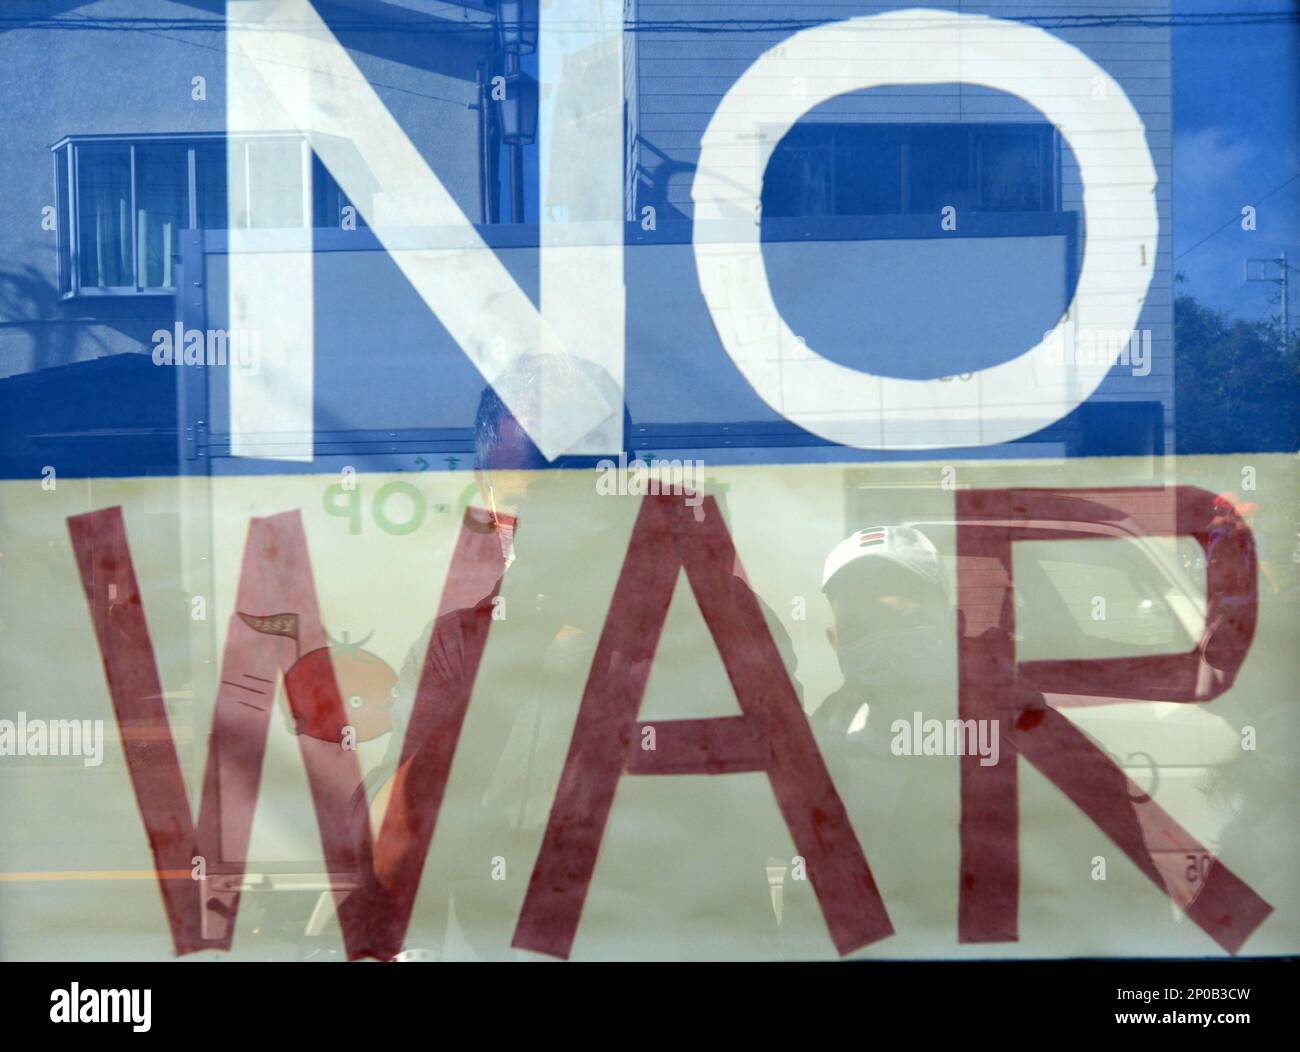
(386, 364)
(125, 67)
(679, 67)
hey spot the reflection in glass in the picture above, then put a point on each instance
(104, 210)
(162, 210)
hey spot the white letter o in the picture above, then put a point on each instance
(921, 46)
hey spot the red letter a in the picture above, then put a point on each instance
(772, 736)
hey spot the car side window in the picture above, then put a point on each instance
(1100, 598)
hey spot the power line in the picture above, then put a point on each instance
(697, 25)
(311, 69)
(1233, 219)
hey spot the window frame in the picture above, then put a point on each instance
(66, 152)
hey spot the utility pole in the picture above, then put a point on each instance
(1284, 280)
(516, 156)
(1286, 302)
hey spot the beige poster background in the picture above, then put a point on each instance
(690, 867)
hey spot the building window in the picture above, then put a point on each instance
(822, 169)
(123, 202)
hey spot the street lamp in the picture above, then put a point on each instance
(518, 110)
(517, 26)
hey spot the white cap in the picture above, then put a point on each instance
(903, 546)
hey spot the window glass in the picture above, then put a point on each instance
(1012, 171)
(118, 248)
(275, 185)
(872, 170)
(798, 180)
(328, 200)
(1105, 598)
(938, 168)
(104, 216)
(210, 186)
(162, 210)
(889, 169)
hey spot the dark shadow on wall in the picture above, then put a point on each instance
(30, 304)
(654, 182)
(18, 13)
(61, 332)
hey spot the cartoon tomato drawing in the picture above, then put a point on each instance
(365, 683)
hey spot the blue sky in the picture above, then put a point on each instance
(1236, 137)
